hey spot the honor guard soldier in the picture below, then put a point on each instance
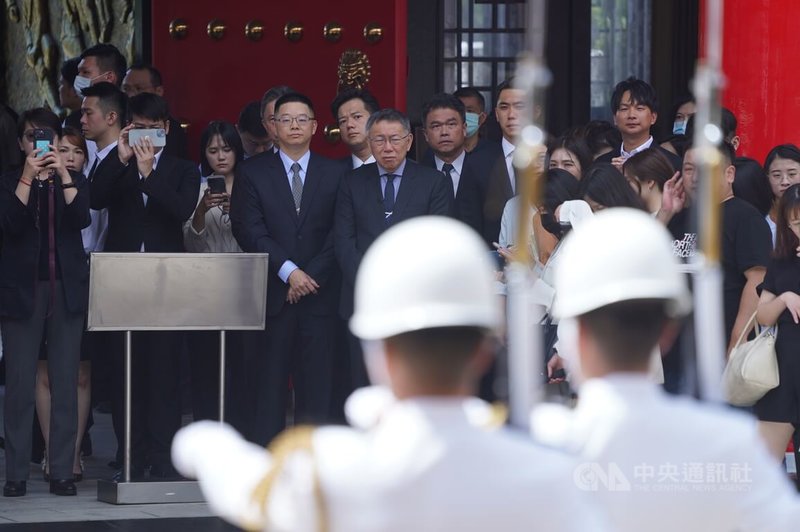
(654, 462)
(425, 310)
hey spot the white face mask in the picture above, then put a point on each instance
(81, 82)
(679, 127)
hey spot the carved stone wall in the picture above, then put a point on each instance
(37, 35)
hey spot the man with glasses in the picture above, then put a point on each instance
(284, 205)
(377, 196)
(444, 119)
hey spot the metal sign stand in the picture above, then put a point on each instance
(158, 291)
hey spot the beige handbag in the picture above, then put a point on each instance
(752, 368)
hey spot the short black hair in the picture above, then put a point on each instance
(148, 105)
(69, 70)
(41, 118)
(728, 123)
(443, 101)
(505, 85)
(728, 153)
(109, 98)
(641, 93)
(626, 332)
(155, 75)
(370, 102)
(389, 115)
(272, 94)
(752, 185)
(108, 58)
(471, 92)
(230, 138)
(250, 120)
(294, 97)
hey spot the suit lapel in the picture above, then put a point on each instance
(372, 188)
(282, 185)
(406, 189)
(313, 178)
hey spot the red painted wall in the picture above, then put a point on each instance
(761, 44)
(207, 79)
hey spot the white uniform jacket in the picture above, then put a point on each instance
(660, 463)
(423, 466)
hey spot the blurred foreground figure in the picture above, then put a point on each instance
(425, 456)
(653, 462)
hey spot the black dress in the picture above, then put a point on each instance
(782, 404)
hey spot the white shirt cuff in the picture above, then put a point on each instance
(286, 270)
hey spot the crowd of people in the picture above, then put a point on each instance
(83, 185)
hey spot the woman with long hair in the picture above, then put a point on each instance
(779, 410)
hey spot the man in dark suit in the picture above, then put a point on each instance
(352, 108)
(377, 196)
(284, 205)
(495, 167)
(149, 195)
(635, 107)
(443, 118)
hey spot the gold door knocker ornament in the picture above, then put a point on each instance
(332, 32)
(354, 70)
(254, 30)
(293, 31)
(216, 29)
(178, 29)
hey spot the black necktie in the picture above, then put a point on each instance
(388, 197)
(94, 167)
(447, 169)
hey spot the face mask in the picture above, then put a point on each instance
(81, 82)
(473, 124)
(679, 127)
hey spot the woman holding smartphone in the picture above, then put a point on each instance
(209, 231)
(72, 150)
(44, 296)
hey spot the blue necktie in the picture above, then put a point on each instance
(388, 198)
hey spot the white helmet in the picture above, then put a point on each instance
(426, 272)
(618, 255)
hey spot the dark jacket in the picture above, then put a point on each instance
(171, 189)
(19, 259)
(264, 220)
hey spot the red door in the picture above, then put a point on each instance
(210, 78)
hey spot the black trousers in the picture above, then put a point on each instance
(22, 340)
(156, 405)
(240, 347)
(299, 349)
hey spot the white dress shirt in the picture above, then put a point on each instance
(508, 153)
(458, 166)
(627, 154)
(358, 163)
(289, 266)
(94, 235)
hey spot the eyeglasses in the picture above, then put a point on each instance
(286, 120)
(394, 141)
(437, 127)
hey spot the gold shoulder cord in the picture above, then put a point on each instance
(299, 438)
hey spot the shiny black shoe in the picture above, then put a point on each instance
(64, 487)
(15, 488)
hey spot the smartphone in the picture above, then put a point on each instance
(157, 136)
(216, 183)
(42, 139)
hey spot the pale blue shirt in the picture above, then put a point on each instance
(396, 183)
(289, 266)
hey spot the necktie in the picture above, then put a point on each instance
(511, 173)
(388, 197)
(94, 167)
(297, 186)
(447, 169)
